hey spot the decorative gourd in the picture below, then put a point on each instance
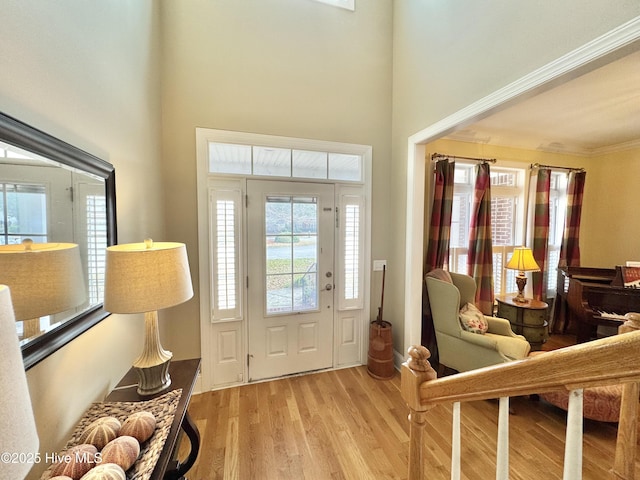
(123, 450)
(76, 461)
(139, 425)
(101, 431)
(105, 471)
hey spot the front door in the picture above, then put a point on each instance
(290, 286)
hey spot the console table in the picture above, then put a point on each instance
(183, 375)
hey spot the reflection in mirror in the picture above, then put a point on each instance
(54, 198)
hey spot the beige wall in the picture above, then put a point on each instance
(87, 73)
(292, 68)
(446, 55)
(614, 234)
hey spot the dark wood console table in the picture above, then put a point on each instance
(183, 375)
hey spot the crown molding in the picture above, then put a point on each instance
(575, 63)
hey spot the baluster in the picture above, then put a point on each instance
(573, 442)
(502, 454)
(455, 442)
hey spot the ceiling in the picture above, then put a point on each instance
(596, 113)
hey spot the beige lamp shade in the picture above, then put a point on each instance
(148, 276)
(45, 278)
(17, 424)
(522, 260)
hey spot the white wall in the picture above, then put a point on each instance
(87, 73)
(447, 55)
(295, 68)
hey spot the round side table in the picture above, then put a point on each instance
(527, 319)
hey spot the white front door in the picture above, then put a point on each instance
(290, 230)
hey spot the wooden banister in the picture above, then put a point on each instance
(612, 360)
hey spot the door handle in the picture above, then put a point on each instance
(328, 287)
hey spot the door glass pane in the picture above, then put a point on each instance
(305, 214)
(279, 255)
(291, 254)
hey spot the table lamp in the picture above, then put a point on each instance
(522, 260)
(144, 278)
(44, 278)
(18, 427)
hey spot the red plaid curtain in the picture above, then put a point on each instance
(438, 247)
(440, 227)
(570, 247)
(541, 231)
(480, 258)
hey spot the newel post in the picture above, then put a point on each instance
(625, 456)
(415, 371)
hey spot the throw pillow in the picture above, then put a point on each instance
(472, 319)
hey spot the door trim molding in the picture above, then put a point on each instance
(203, 179)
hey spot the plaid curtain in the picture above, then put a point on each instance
(541, 232)
(440, 227)
(570, 247)
(480, 258)
(438, 247)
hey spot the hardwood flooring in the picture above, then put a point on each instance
(346, 425)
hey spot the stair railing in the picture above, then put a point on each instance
(612, 360)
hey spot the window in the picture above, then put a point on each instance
(557, 212)
(507, 220)
(269, 161)
(351, 243)
(225, 204)
(23, 213)
(291, 244)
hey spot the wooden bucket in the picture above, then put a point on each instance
(380, 358)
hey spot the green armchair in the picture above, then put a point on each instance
(458, 348)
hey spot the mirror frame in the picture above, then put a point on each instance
(28, 138)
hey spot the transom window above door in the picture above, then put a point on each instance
(256, 160)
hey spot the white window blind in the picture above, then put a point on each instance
(226, 271)
(351, 227)
(95, 206)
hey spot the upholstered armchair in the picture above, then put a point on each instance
(458, 348)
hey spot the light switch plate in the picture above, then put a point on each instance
(378, 265)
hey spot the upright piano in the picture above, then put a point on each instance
(596, 296)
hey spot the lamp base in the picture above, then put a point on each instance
(152, 366)
(521, 281)
(153, 379)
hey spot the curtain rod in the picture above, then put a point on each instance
(571, 169)
(436, 156)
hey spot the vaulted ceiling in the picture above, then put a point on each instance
(593, 114)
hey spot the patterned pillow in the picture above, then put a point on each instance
(472, 319)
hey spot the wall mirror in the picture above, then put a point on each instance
(54, 193)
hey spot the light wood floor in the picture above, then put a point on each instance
(346, 425)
